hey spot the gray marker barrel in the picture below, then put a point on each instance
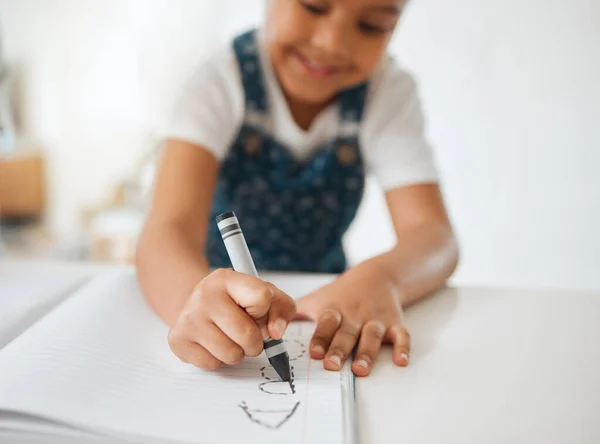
(242, 262)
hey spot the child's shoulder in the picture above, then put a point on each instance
(215, 76)
(218, 63)
(392, 100)
(209, 107)
(396, 149)
(392, 81)
(222, 60)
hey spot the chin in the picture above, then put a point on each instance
(311, 94)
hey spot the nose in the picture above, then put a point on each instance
(332, 38)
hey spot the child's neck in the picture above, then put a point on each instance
(304, 114)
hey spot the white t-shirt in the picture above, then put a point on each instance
(211, 110)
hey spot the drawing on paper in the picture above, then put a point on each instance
(273, 385)
(301, 347)
(271, 419)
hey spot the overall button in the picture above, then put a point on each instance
(252, 144)
(346, 154)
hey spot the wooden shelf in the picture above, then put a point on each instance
(22, 185)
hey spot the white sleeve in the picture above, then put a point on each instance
(395, 149)
(210, 107)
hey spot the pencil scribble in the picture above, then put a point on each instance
(276, 386)
(273, 385)
(302, 348)
(270, 419)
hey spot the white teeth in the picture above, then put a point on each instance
(315, 65)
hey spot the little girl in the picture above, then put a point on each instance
(281, 127)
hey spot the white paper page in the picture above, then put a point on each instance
(29, 291)
(101, 362)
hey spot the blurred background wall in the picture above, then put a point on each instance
(510, 90)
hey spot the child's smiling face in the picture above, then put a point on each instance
(319, 47)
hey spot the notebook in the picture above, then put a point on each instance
(29, 290)
(98, 368)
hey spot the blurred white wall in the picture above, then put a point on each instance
(510, 90)
(79, 95)
(512, 96)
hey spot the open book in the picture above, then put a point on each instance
(28, 291)
(97, 368)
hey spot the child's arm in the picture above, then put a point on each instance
(169, 257)
(426, 252)
(364, 306)
(212, 316)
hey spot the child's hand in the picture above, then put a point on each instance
(362, 306)
(219, 323)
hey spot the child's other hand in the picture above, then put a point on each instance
(219, 323)
(362, 306)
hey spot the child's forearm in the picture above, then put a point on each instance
(421, 262)
(169, 265)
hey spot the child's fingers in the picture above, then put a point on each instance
(368, 347)
(282, 311)
(398, 335)
(342, 344)
(238, 326)
(252, 294)
(193, 353)
(327, 325)
(219, 345)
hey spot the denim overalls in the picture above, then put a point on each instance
(293, 212)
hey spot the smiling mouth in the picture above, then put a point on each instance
(315, 68)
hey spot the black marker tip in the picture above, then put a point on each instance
(281, 364)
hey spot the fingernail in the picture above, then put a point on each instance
(280, 326)
(336, 360)
(362, 363)
(404, 356)
(318, 349)
(264, 332)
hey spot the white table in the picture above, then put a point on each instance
(491, 366)
(487, 366)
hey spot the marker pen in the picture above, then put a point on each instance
(242, 262)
